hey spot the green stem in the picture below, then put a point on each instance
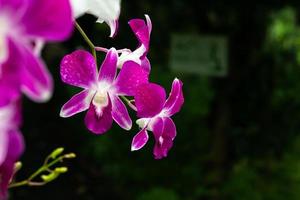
(18, 184)
(87, 39)
(129, 103)
(37, 173)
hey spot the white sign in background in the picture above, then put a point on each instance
(198, 54)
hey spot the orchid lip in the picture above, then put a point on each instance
(143, 122)
(164, 113)
(160, 140)
(146, 123)
(100, 99)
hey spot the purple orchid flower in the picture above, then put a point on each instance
(101, 90)
(142, 31)
(155, 112)
(11, 143)
(23, 23)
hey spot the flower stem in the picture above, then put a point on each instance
(128, 102)
(18, 184)
(45, 168)
(87, 39)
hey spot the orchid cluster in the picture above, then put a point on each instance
(104, 90)
(26, 25)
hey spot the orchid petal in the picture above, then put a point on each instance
(50, 20)
(16, 145)
(13, 4)
(114, 25)
(79, 69)
(149, 23)
(135, 57)
(142, 31)
(37, 82)
(120, 113)
(10, 76)
(130, 77)
(176, 99)
(3, 145)
(108, 68)
(145, 64)
(78, 103)
(15, 149)
(164, 131)
(4, 50)
(79, 7)
(10, 119)
(104, 10)
(10, 116)
(149, 99)
(139, 140)
(38, 47)
(108, 11)
(161, 150)
(99, 123)
(129, 56)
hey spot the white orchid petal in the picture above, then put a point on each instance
(105, 10)
(79, 7)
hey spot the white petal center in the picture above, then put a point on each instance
(100, 99)
(4, 30)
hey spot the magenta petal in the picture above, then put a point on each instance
(130, 77)
(120, 113)
(36, 80)
(149, 99)
(3, 145)
(15, 149)
(145, 64)
(78, 103)
(169, 128)
(10, 76)
(164, 131)
(139, 140)
(99, 124)
(161, 150)
(10, 116)
(175, 100)
(49, 19)
(13, 5)
(79, 69)
(15, 145)
(108, 68)
(16, 110)
(142, 31)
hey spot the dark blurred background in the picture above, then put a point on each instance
(238, 133)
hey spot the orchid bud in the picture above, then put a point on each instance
(50, 177)
(70, 155)
(61, 170)
(56, 152)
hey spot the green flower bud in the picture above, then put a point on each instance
(50, 177)
(61, 169)
(56, 152)
(70, 155)
(18, 166)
